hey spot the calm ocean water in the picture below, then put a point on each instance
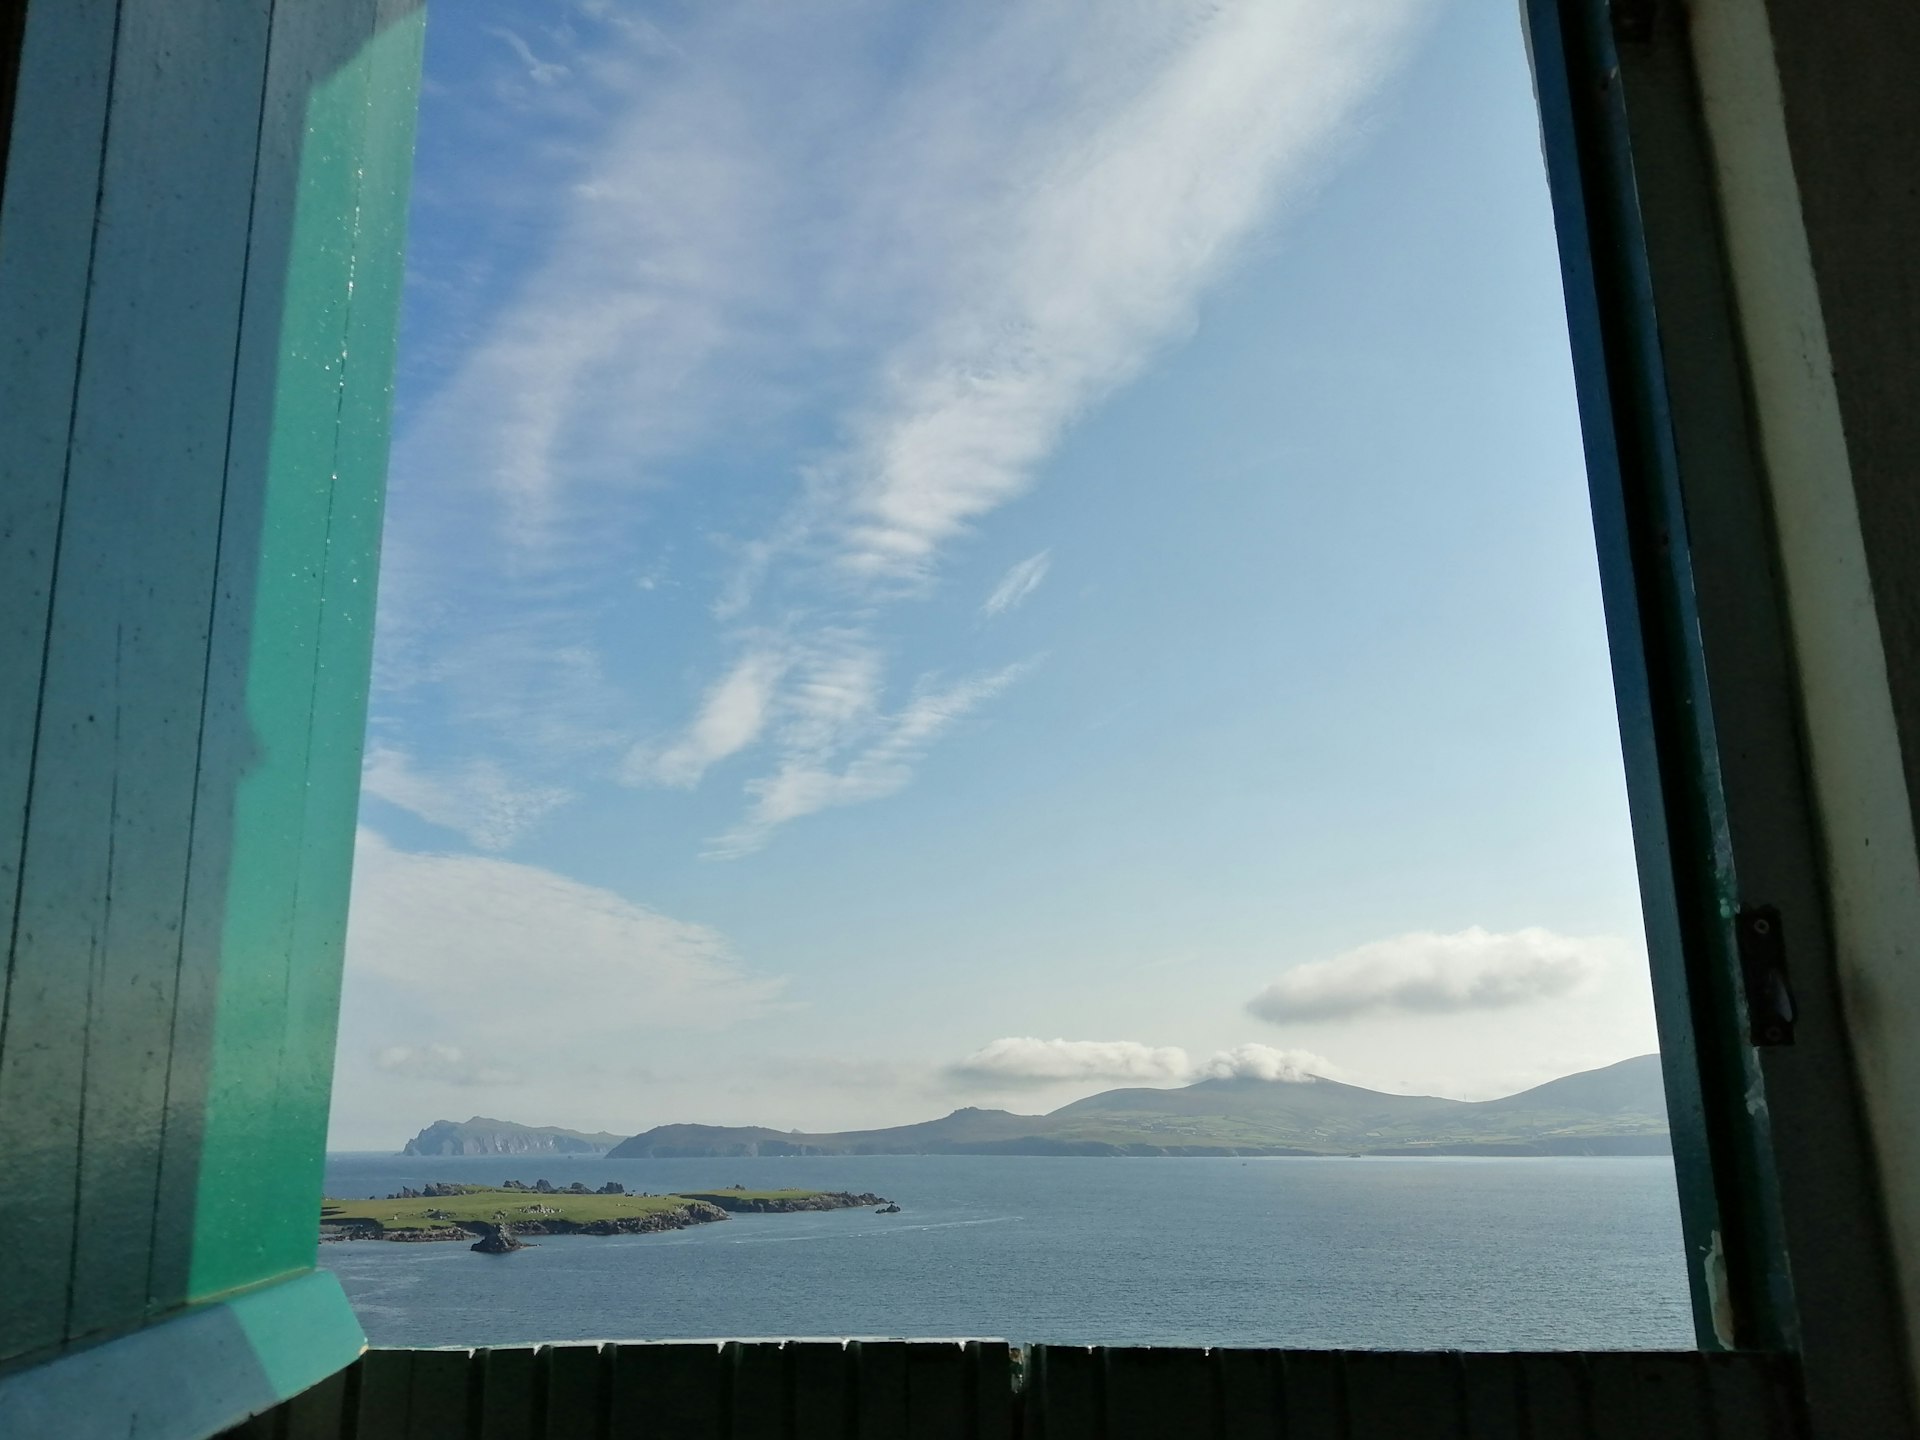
(1422, 1253)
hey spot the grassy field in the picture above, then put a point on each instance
(438, 1212)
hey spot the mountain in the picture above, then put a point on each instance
(1617, 1110)
(1616, 1089)
(964, 1130)
(481, 1136)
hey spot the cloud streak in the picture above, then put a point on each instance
(1017, 584)
(811, 778)
(731, 718)
(1023, 1060)
(1433, 974)
(478, 799)
(1131, 200)
(541, 72)
(444, 1064)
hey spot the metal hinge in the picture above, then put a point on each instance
(1763, 968)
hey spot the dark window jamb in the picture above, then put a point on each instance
(1771, 1154)
(13, 29)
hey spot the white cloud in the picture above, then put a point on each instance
(731, 718)
(1263, 1062)
(1027, 1060)
(541, 72)
(599, 367)
(836, 690)
(809, 781)
(1428, 973)
(540, 995)
(818, 696)
(1017, 584)
(1124, 202)
(480, 938)
(477, 799)
(448, 1064)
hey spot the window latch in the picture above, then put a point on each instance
(1763, 968)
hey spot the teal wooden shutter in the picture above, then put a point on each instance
(200, 262)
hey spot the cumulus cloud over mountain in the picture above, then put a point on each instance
(1263, 1062)
(1028, 1060)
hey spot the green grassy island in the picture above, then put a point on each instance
(467, 1212)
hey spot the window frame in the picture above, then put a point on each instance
(1772, 1155)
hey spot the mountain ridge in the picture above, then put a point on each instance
(1613, 1110)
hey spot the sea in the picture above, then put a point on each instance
(1422, 1253)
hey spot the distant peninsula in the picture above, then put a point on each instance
(481, 1136)
(1617, 1110)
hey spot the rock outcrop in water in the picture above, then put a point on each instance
(698, 1213)
(422, 1236)
(785, 1205)
(498, 1241)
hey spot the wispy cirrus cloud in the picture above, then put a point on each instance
(731, 718)
(1125, 201)
(541, 72)
(1017, 584)
(1428, 973)
(814, 777)
(944, 262)
(477, 799)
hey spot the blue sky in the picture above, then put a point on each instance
(969, 555)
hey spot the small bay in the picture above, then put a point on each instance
(1427, 1252)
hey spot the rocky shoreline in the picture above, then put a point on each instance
(822, 1200)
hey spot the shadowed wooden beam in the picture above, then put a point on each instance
(987, 1390)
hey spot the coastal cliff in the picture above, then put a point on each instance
(482, 1136)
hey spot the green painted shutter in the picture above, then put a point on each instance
(200, 262)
